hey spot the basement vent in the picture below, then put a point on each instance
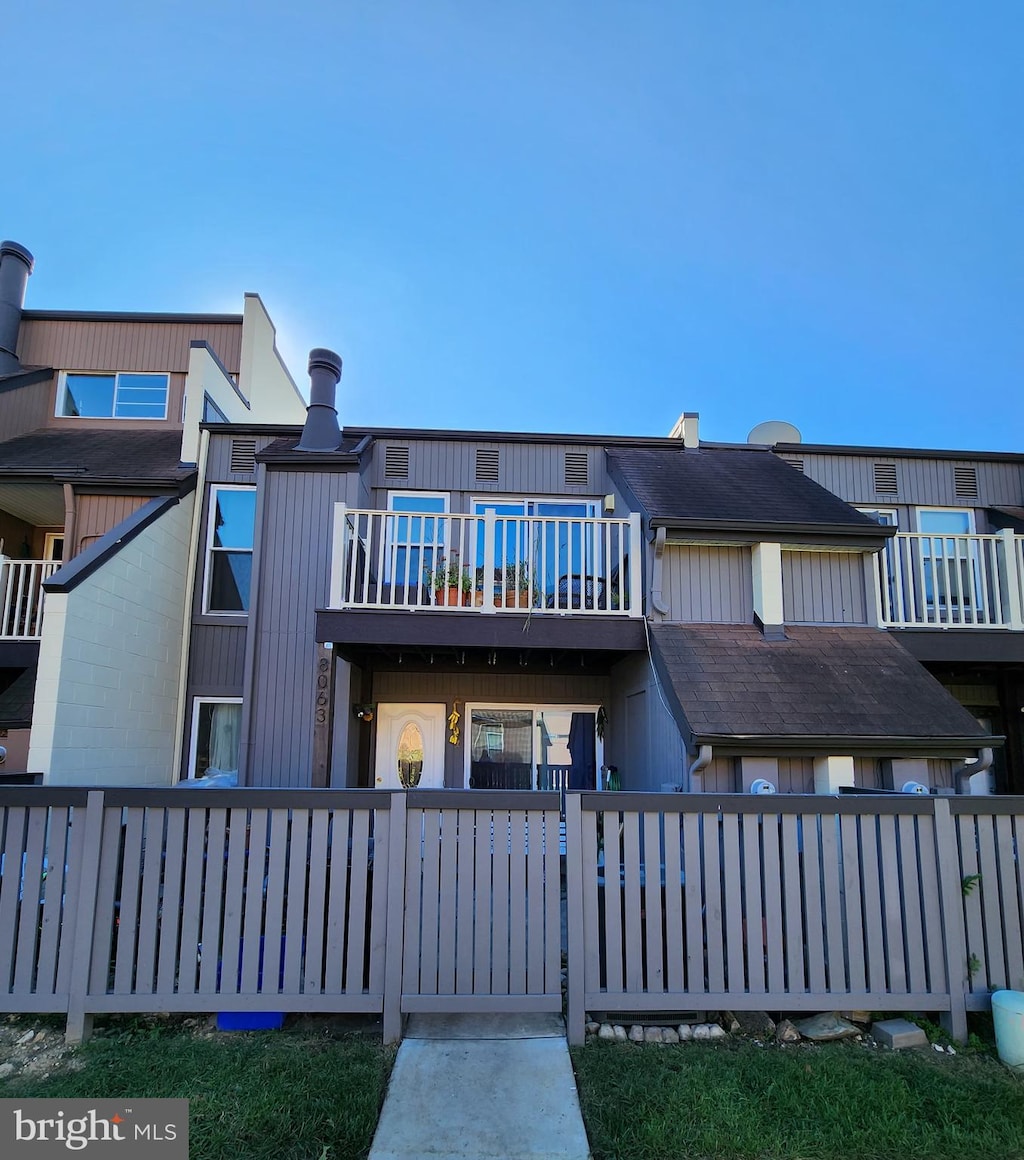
(966, 480)
(577, 469)
(793, 461)
(243, 456)
(885, 479)
(396, 462)
(487, 465)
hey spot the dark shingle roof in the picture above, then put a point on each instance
(734, 485)
(849, 683)
(283, 450)
(145, 456)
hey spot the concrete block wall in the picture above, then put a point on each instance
(109, 665)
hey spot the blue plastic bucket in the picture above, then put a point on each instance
(1008, 1017)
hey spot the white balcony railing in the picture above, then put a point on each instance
(487, 563)
(21, 597)
(958, 581)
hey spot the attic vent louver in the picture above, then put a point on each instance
(885, 479)
(243, 456)
(793, 461)
(577, 469)
(966, 481)
(396, 462)
(487, 465)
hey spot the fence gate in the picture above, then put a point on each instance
(482, 914)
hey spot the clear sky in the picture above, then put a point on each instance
(560, 215)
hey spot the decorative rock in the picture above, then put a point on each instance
(27, 1037)
(752, 1024)
(716, 1032)
(620, 1032)
(899, 1034)
(653, 1035)
(729, 1022)
(937, 1047)
(6, 1069)
(669, 1035)
(785, 1032)
(702, 1031)
(592, 1027)
(606, 1031)
(636, 1033)
(685, 1032)
(829, 1025)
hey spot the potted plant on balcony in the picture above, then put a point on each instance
(452, 584)
(517, 586)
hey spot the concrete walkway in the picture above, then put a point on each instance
(482, 1086)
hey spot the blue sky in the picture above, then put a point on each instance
(562, 215)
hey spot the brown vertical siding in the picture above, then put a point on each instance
(796, 775)
(708, 585)
(824, 588)
(291, 577)
(26, 408)
(523, 469)
(920, 482)
(103, 345)
(216, 660)
(97, 514)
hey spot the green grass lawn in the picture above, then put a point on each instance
(286, 1095)
(829, 1102)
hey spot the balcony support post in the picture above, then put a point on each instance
(1010, 579)
(490, 531)
(338, 556)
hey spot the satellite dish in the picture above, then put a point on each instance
(774, 431)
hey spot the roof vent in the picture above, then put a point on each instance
(577, 469)
(396, 462)
(487, 464)
(966, 481)
(243, 456)
(15, 267)
(885, 479)
(321, 432)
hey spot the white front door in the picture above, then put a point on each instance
(410, 746)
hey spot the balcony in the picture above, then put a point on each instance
(21, 597)
(486, 563)
(958, 581)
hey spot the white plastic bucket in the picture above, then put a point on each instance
(1008, 1017)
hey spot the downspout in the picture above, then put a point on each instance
(70, 513)
(701, 762)
(969, 769)
(657, 604)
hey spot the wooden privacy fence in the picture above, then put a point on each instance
(437, 900)
(792, 903)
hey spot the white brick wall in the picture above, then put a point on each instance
(109, 665)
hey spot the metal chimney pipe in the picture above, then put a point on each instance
(321, 432)
(15, 266)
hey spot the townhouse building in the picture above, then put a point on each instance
(385, 607)
(100, 455)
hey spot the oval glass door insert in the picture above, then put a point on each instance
(410, 756)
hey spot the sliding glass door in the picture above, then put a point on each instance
(550, 747)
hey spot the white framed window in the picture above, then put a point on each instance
(231, 526)
(935, 521)
(888, 517)
(415, 540)
(112, 395)
(53, 546)
(546, 747)
(216, 731)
